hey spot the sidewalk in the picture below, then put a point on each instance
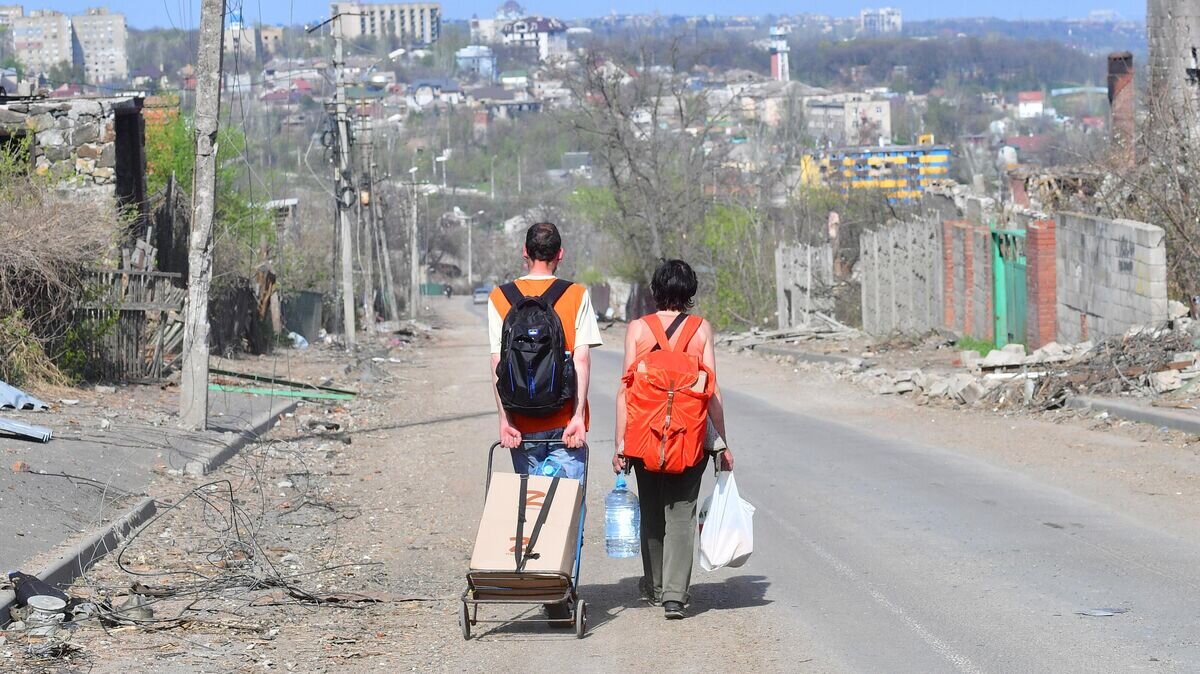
(96, 469)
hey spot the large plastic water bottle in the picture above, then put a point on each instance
(622, 521)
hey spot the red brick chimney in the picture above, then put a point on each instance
(1120, 101)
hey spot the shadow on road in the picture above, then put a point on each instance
(731, 593)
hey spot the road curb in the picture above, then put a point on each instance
(803, 356)
(81, 557)
(207, 463)
(1180, 420)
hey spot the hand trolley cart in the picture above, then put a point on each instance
(527, 587)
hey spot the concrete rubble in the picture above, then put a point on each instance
(1145, 361)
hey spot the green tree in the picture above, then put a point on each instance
(241, 223)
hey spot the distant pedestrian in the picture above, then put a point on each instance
(668, 499)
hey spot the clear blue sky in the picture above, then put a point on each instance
(185, 13)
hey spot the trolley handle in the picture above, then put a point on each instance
(545, 441)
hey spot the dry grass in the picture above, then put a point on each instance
(48, 235)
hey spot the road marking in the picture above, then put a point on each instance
(961, 662)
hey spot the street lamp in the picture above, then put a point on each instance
(392, 56)
(469, 222)
(441, 159)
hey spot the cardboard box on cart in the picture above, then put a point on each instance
(495, 544)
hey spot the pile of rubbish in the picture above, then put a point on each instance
(819, 327)
(1146, 361)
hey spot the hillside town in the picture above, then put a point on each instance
(932, 281)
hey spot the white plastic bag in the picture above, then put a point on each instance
(726, 526)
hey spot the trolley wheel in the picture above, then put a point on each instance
(580, 619)
(464, 621)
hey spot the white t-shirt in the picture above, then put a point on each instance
(587, 331)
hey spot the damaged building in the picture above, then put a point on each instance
(97, 145)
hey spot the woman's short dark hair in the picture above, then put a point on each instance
(674, 286)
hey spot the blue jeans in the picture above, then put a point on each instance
(530, 455)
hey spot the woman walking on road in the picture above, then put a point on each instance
(668, 499)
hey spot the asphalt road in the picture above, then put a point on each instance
(878, 553)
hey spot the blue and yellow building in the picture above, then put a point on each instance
(901, 172)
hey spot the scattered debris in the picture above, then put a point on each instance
(11, 397)
(826, 328)
(1101, 612)
(24, 430)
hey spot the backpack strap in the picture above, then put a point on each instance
(690, 327)
(656, 329)
(512, 293)
(555, 292)
(671, 329)
(537, 525)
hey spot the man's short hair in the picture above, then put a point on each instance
(674, 286)
(543, 242)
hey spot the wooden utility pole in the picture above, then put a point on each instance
(414, 268)
(366, 221)
(193, 389)
(345, 187)
(379, 227)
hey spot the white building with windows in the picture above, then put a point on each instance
(882, 21)
(412, 22)
(546, 35)
(99, 45)
(42, 40)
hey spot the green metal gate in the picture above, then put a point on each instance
(1008, 266)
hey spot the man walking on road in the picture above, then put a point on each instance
(565, 426)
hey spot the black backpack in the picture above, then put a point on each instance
(536, 375)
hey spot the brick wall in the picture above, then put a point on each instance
(1041, 283)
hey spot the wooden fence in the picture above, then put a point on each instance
(137, 323)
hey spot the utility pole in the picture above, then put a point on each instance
(365, 230)
(388, 282)
(193, 388)
(414, 263)
(345, 185)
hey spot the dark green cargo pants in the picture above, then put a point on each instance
(668, 507)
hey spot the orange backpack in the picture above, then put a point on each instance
(666, 402)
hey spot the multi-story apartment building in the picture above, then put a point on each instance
(10, 12)
(882, 21)
(42, 40)
(99, 45)
(418, 23)
(849, 119)
(901, 172)
(94, 41)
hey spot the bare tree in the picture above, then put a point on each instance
(651, 136)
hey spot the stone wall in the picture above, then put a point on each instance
(804, 282)
(1112, 275)
(95, 144)
(900, 268)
